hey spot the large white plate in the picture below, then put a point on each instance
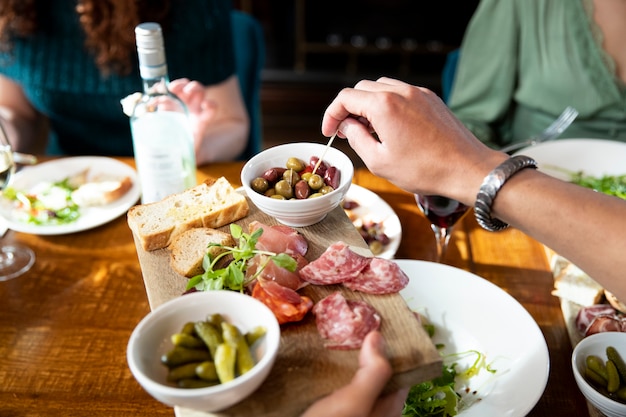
(60, 169)
(595, 157)
(470, 313)
(371, 206)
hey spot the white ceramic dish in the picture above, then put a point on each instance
(470, 313)
(59, 169)
(297, 213)
(152, 338)
(592, 156)
(372, 207)
(596, 344)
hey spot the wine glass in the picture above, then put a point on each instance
(15, 259)
(443, 213)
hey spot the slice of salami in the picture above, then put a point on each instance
(336, 265)
(343, 324)
(381, 276)
(286, 304)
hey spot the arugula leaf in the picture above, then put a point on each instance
(232, 277)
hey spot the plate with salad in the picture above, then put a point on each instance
(594, 163)
(69, 195)
(496, 360)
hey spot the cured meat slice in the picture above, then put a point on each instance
(605, 323)
(381, 276)
(280, 239)
(343, 324)
(587, 314)
(280, 275)
(286, 304)
(336, 265)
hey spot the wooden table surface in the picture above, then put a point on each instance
(64, 325)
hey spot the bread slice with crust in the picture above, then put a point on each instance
(187, 250)
(213, 203)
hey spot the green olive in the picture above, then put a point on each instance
(316, 182)
(306, 175)
(291, 177)
(295, 164)
(326, 189)
(315, 195)
(260, 185)
(277, 197)
(270, 192)
(283, 187)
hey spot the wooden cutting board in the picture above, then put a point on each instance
(304, 370)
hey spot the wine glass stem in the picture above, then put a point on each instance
(442, 236)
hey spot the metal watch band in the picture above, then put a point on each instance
(490, 187)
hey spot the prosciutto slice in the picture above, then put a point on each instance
(343, 324)
(381, 276)
(280, 275)
(280, 239)
(599, 318)
(336, 265)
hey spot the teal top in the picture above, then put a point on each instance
(523, 61)
(62, 81)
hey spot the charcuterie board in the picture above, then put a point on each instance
(305, 370)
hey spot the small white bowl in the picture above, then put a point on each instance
(297, 213)
(151, 339)
(596, 344)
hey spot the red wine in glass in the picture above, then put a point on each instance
(443, 213)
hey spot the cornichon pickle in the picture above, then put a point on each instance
(209, 334)
(185, 371)
(613, 355)
(195, 383)
(187, 340)
(206, 370)
(215, 319)
(188, 328)
(594, 378)
(255, 334)
(612, 384)
(233, 336)
(225, 358)
(182, 355)
(596, 364)
(621, 393)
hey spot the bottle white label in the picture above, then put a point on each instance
(162, 146)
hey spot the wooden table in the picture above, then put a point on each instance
(64, 325)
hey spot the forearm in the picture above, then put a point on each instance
(25, 134)
(223, 142)
(584, 226)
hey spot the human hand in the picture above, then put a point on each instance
(202, 110)
(362, 397)
(407, 135)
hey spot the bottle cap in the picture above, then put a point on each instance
(150, 50)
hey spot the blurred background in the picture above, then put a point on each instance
(316, 47)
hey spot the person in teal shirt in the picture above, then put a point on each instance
(66, 64)
(522, 62)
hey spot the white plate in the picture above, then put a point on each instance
(371, 206)
(470, 313)
(60, 169)
(595, 157)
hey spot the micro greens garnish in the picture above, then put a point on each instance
(232, 277)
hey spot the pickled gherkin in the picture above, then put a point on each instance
(225, 358)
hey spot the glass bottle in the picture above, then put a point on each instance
(162, 138)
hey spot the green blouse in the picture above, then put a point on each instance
(523, 61)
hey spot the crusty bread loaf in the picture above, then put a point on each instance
(213, 203)
(187, 249)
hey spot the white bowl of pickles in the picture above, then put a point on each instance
(204, 351)
(283, 182)
(603, 384)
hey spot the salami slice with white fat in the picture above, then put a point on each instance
(381, 276)
(336, 265)
(343, 324)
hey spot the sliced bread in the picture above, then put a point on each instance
(213, 203)
(187, 250)
(101, 191)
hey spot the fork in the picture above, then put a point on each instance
(551, 132)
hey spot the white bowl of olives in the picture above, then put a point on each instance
(289, 183)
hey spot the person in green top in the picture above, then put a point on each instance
(522, 62)
(66, 64)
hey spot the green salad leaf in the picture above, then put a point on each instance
(232, 276)
(614, 185)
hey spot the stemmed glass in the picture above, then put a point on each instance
(443, 213)
(15, 259)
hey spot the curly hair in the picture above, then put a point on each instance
(108, 26)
